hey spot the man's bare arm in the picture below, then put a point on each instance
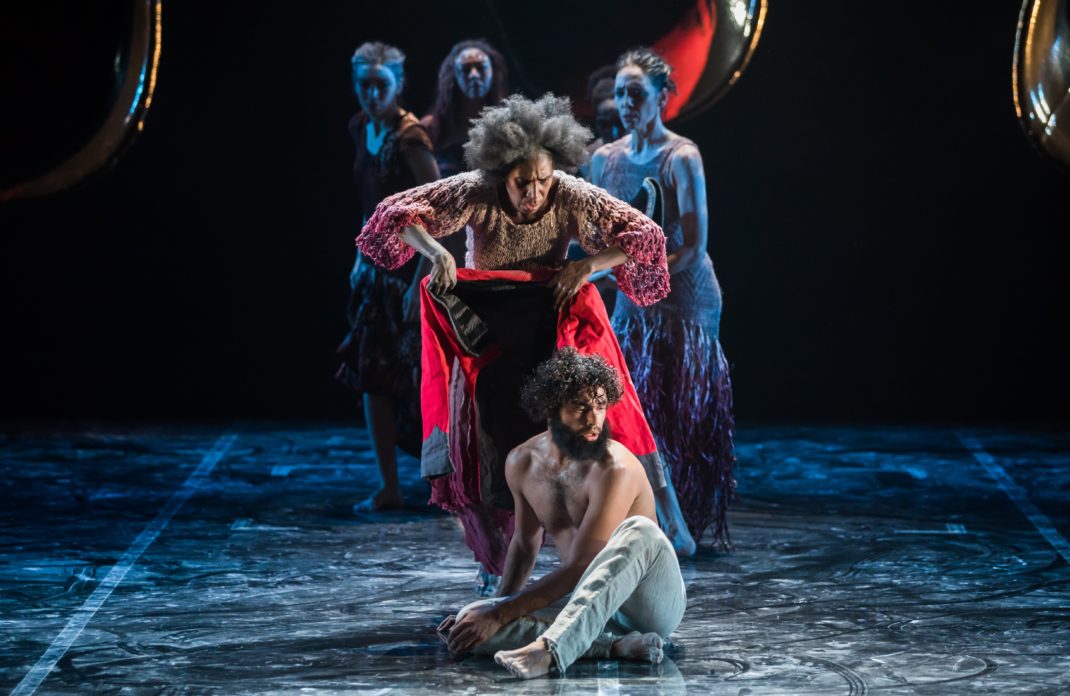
(479, 624)
(527, 531)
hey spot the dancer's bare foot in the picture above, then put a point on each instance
(382, 499)
(532, 660)
(682, 541)
(644, 647)
(671, 519)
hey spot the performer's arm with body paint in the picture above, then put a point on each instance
(598, 166)
(690, 179)
(443, 266)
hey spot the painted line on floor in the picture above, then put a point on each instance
(1017, 494)
(89, 608)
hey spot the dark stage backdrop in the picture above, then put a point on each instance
(889, 245)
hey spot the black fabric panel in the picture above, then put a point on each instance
(519, 318)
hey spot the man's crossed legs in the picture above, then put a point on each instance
(625, 605)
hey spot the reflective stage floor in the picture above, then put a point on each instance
(189, 560)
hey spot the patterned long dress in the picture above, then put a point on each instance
(675, 358)
(381, 353)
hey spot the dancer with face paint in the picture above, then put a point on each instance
(672, 349)
(472, 76)
(520, 211)
(607, 124)
(380, 355)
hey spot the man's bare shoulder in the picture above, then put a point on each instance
(521, 457)
(621, 475)
(621, 463)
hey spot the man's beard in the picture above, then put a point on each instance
(573, 444)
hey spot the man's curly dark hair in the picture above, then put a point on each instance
(519, 128)
(565, 375)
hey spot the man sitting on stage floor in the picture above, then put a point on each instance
(592, 496)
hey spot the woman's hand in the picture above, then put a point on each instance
(443, 275)
(569, 280)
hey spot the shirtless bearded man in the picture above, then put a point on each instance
(592, 496)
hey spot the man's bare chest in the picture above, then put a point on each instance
(559, 501)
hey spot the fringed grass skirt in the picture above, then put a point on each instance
(681, 376)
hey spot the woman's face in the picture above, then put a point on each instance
(474, 73)
(638, 101)
(607, 123)
(528, 185)
(377, 89)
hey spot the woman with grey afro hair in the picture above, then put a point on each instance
(520, 212)
(519, 129)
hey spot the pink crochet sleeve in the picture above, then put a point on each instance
(441, 207)
(605, 221)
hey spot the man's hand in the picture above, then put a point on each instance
(443, 275)
(443, 629)
(476, 627)
(569, 280)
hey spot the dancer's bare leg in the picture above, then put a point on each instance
(672, 519)
(379, 414)
(532, 660)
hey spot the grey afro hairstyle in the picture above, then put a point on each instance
(565, 375)
(519, 128)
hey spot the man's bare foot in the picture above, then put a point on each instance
(532, 660)
(382, 499)
(644, 647)
(486, 582)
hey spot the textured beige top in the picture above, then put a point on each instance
(577, 210)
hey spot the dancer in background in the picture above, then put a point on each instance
(672, 348)
(472, 76)
(520, 212)
(380, 355)
(607, 125)
(607, 128)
